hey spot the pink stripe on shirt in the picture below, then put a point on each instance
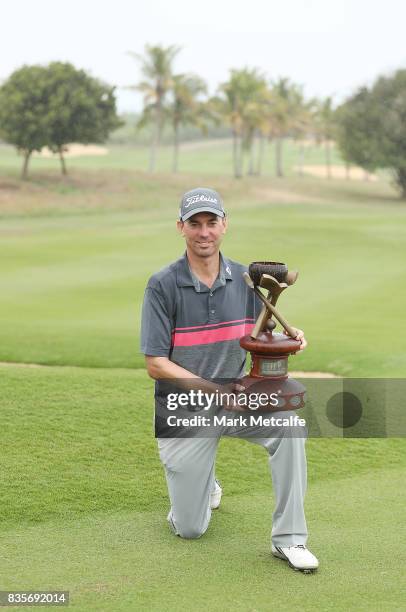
(212, 324)
(209, 336)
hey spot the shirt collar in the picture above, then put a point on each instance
(225, 269)
(186, 278)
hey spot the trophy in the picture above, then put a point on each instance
(270, 350)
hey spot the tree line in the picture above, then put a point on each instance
(54, 105)
(369, 127)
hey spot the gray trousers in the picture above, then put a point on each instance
(190, 472)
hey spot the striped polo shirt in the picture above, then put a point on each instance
(195, 326)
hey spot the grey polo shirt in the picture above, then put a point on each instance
(194, 326)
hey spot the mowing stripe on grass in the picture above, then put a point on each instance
(130, 560)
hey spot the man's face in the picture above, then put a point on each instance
(203, 233)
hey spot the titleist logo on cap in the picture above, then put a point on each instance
(199, 198)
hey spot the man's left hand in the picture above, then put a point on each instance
(299, 336)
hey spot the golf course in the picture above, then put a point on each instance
(83, 494)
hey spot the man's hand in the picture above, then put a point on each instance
(232, 389)
(299, 336)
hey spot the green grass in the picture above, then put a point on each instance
(213, 157)
(79, 440)
(72, 279)
(83, 492)
(84, 506)
(129, 560)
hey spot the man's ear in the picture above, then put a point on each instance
(179, 226)
(225, 224)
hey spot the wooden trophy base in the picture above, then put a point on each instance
(269, 371)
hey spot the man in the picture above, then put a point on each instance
(194, 313)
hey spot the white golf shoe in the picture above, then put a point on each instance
(215, 495)
(298, 557)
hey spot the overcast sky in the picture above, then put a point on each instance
(328, 46)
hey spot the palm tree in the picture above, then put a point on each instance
(264, 127)
(325, 129)
(186, 108)
(302, 124)
(279, 119)
(285, 96)
(156, 67)
(253, 117)
(240, 103)
(227, 106)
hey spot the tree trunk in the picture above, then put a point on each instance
(328, 158)
(175, 148)
(261, 151)
(278, 153)
(237, 155)
(347, 171)
(366, 176)
(240, 158)
(401, 181)
(251, 158)
(62, 160)
(152, 152)
(24, 171)
(156, 138)
(301, 158)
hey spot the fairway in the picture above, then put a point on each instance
(83, 492)
(73, 269)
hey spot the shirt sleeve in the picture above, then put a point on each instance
(156, 327)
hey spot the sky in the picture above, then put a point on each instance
(330, 47)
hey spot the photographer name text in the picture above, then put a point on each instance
(250, 420)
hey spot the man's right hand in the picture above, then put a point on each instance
(232, 389)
